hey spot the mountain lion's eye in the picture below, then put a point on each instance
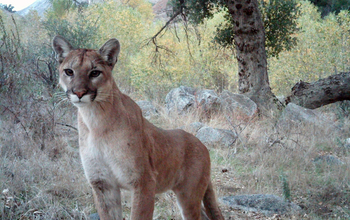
(69, 72)
(95, 73)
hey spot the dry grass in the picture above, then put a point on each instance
(41, 175)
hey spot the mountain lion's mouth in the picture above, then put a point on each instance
(83, 101)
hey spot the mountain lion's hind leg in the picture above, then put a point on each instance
(189, 196)
(190, 206)
(107, 199)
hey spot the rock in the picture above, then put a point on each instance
(193, 127)
(266, 204)
(216, 137)
(329, 159)
(281, 98)
(208, 100)
(296, 113)
(160, 9)
(94, 216)
(180, 100)
(238, 104)
(148, 109)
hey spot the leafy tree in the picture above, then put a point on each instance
(68, 19)
(248, 36)
(329, 6)
(279, 18)
(8, 8)
(280, 23)
(323, 49)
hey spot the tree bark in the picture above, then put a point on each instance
(322, 92)
(249, 39)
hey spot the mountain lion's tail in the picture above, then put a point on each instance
(211, 207)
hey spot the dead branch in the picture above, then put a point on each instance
(154, 38)
(17, 119)
(66, 125)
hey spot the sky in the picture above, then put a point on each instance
(18, 4)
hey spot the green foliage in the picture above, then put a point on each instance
(190, 56)
(61, 8)
(285, 187)
(331, 6)
(323, 49)
(280, 22)
(71, 22)
(197, 11)
(279, 19)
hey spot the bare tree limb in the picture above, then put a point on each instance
(17, 119)
(69, 126)
(153, 39)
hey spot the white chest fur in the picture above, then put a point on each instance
(106, 158)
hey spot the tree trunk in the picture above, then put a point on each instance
(249, 38)
(322, 92)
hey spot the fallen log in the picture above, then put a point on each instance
(322, 92)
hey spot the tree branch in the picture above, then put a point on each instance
(322, 92)
(69, 126)
(17, 119)
(153, 39)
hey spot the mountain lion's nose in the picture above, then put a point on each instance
(80, 93)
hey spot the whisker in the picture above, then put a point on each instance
(62, 101)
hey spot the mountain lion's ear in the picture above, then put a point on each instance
(110, 51)
(62, 47)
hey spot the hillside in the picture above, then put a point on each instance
(40, 6)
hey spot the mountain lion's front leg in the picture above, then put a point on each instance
(107, 199)
(143, 200)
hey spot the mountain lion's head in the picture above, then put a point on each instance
(85, 74)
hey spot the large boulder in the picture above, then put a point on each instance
(194, 127)
(208, 100)
(238, 104)
(180, 100)
(216, 137)
(266, 204)
(296, 114)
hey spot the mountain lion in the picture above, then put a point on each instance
(120, 149)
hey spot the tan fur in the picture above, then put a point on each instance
(121, 150)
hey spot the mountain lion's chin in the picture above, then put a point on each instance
(81, 104)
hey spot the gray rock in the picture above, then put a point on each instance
(94, 216)
(148, 109)
(237, 103)
(180, 100)
(216, 137)
(296, 113)
(208, 100)
(194, 127)
(266, 204)
(329, 159)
